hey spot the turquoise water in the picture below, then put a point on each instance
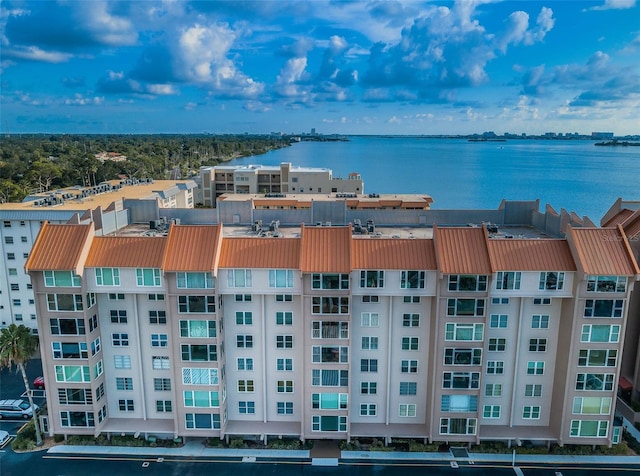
(574, 175)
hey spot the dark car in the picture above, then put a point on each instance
(38, 383)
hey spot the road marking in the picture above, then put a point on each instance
(518, 471)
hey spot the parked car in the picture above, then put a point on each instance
(38, 383)
(4, 437)
(16, 409)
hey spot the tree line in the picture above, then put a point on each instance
(31, 163)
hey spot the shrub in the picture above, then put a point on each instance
(237, 443)
(58, 438)
(23, 444)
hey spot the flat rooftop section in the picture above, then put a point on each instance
(381, 232)
(266, 168)
(102, 195)
(287, 198)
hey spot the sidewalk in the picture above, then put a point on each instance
(195, 449)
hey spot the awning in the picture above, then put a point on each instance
(625, 385)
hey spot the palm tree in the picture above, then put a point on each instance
(17, 346)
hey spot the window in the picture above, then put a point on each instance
(244, 297)
(369, 343)
(125, 405)
(371, 279)
(284, 342)
(462, 356)
(465, 307)
(464, 332)
(497, 345)
(163, 406)
(508, 280)
(596, 333)
(467, 282)
(11, 256)
(284, 364)
(124, 383)
(589, 428)
(282, 298)
(552, 281)
(498, 321)
(64, 302)
(411, 320)
(244, 318)
(197, 328)
(409, 366)
(595, 382)
(531, 412)
(244, 341)
(412, 279)
(122, 361)
(329, 378)
(107, 277)
(8, 240)
(369, 298)
(542, 301)
(69, 350)
(328, 423)
(157, 317)
(329, 330)
(491, 411)
(407, 410)
(202, 420)
(239, 278)
(200, 376)
(284, 318)
(77, 419)
(148, 277)
(408, 388)
(196, 304)
(329, 305)
(330, 281)
(199, 352)
(411, 299)
(195, 281)
(367, 409)
(493, 390)
(201, 399)
(18, 317)
(244, 363)
(97, 369)
(495, 367)
(61, 279)
(497, 300)
(116, 296)
(591, 405)
(330, 354)
(603, 308)
(533, 390)
(13, 272)
(285, 408)
(368, 365)
(458, 426)
(118, 317)
(95, 346)
(245, 386)
(535, 368)
(120, 339)
(539, 322)
(597, 358)
(72, 373)
(155, 297)
(162, 384)
(368, 388)
(460, 379)
(284, 386)
(369, 319)
(459, 403)
(74, 396)
(537, 345)
(410, 343)
(280, 278)
(160, 362)
(606, 284)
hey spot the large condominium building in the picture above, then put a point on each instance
(272, 180)
(444, 333)
(105, 205)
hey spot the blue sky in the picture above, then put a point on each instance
(348, 67)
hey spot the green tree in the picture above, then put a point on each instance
(17, 346)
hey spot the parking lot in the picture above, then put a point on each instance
(12, 387)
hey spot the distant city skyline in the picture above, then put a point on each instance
(379, 67)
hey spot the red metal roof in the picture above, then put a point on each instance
(192, 248)
(282, 253)
(59, 247)
(325, 249)
(462, 250)
(530, 255)
(127, 252)
(373, 253)
(603, 251)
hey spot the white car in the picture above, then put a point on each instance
(4, 438)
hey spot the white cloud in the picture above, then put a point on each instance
(615, 5)
(161, 89)
(105, 27)
(34, 53)
(80, 100)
